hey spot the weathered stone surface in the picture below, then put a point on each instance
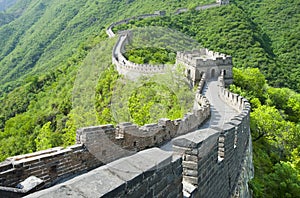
(30, 183)
(195, 139)
(154, 156)
(126, 171)
(122, 176)
(93, 184)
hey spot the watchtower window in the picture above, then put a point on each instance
(213, 73)
(188, 73)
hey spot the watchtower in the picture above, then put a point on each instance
(198, 62)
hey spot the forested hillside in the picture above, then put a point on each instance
(41, 50)
(48, 31)
(45, 45)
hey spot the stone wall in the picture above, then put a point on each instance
(51, 165)
(213, 158)
(109, 143)
(109, 30)
(149, 173)
(96, 146)
(211, 162)
(129, 69)
(223, 2)
(211, 165)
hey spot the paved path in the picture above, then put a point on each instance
(220, 111)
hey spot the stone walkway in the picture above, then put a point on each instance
(220, 111)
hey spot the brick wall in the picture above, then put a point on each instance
(149, 173)
(52, 165)
(213, 159)
(98, 145)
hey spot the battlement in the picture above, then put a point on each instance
(116, 142)
(203, 58)
(149, 173)
(205, 163)
(97, 145)
(213, 158)
(210, 164)
(130, 69)
(109, 29)
(223, 2)
(51, 166)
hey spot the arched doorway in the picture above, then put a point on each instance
(188, 73)
(213, 73)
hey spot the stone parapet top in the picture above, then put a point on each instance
(111, 178)
(196, 138)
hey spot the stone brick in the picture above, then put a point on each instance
(191, 180)
(189, 165)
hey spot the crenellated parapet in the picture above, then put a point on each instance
(51, 166)
(109, 29)
(96, 145)
(234, 100)
(214, 158)
(205, 163)
(149, 173)
(129, 69)
(203, 57)
(196, 63)
(223, 2)
(109, 143)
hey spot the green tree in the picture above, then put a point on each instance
(284, 182)
(265, 122)
(251, 80)
(44, 140)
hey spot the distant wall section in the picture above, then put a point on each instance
(129, 69)
(109, 30)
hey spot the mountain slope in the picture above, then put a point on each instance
(48, 30)
(5, 4)
(279, 22)
(40, 52)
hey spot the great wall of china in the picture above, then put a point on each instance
(130, 69)
(207, 153)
